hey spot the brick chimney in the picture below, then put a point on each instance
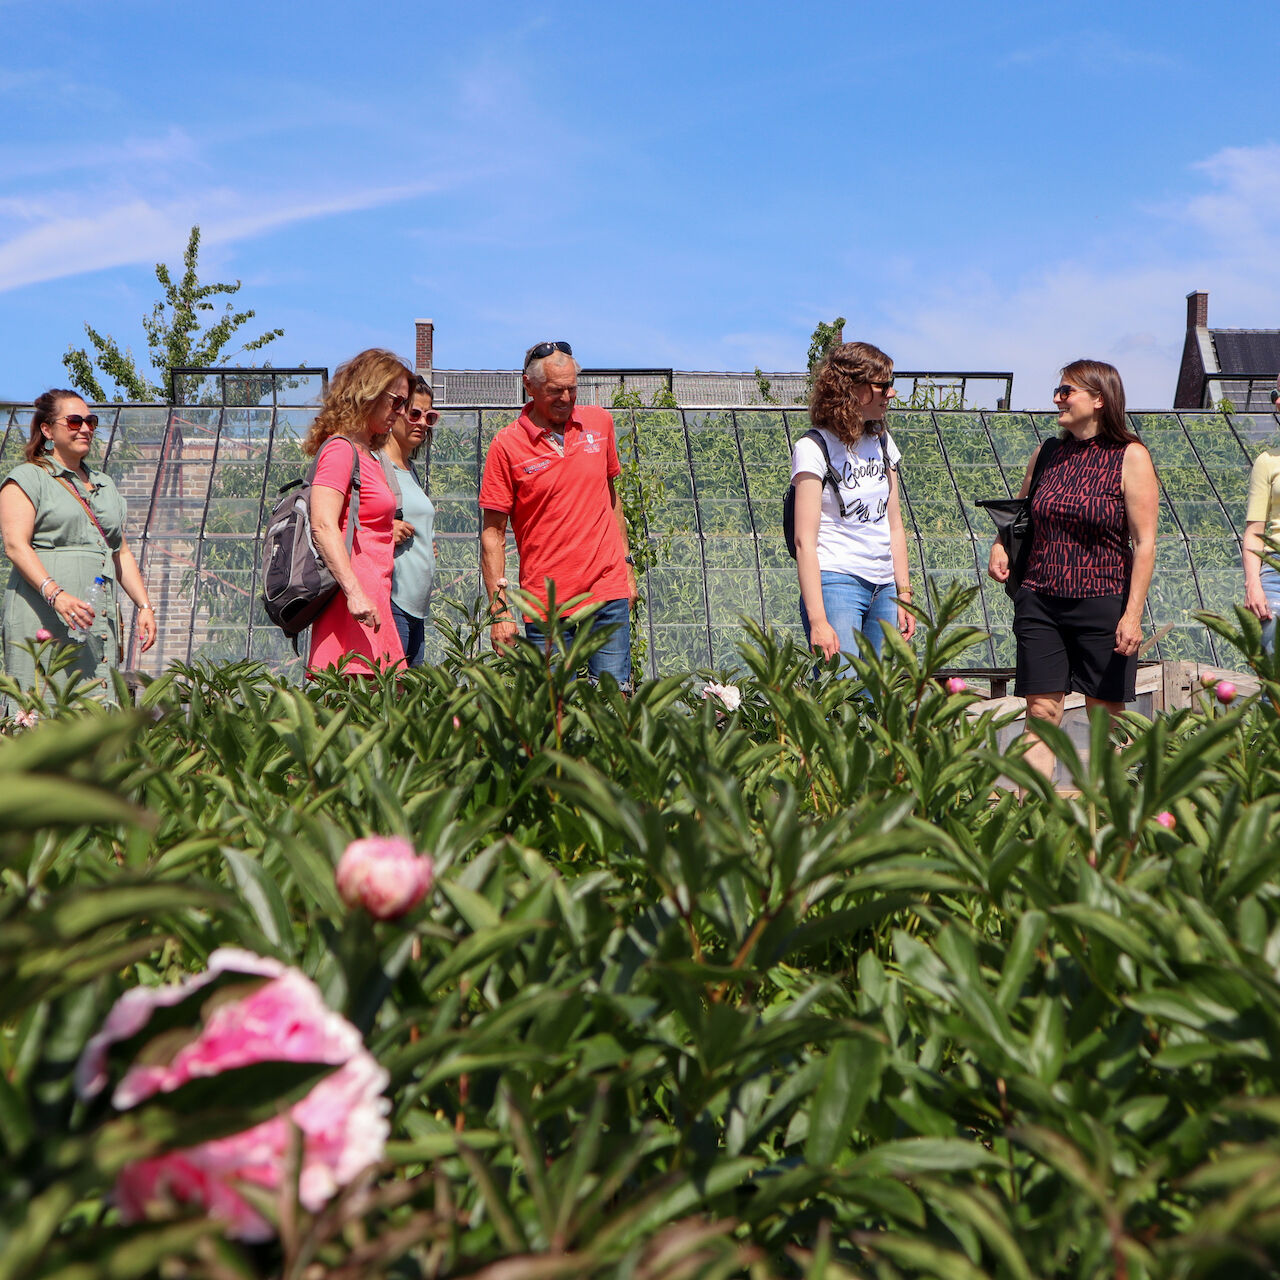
(424, 360)
(1198, 356)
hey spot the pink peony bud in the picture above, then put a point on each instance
(956, 685)
(383, 875)
(1167, 820)
(1208, 680)
(1225, 691)
(44, 634)
(457, 724)
(276, 1015)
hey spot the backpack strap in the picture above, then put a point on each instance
(389, 470)
(830, 478)
(353, 514)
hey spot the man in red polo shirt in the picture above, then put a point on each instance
(552, 472)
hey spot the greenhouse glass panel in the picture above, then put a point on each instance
(1216, 553)
(680, 647)
(1256, 431)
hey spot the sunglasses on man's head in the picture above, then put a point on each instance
(417, 415)
(544, 349)
(77, 420)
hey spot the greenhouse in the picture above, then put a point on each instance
(200, 475)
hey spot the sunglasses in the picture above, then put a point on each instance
(76, 420)
(544, 349)
(1065, 391)
(1275, 395)
(397, 402)
(417, 415)
(883, 387)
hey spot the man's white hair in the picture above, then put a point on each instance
(537, 372)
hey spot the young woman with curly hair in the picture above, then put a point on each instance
(851, 548)
(364, 400)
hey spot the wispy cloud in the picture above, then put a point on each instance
(142, 230)
(1228, 242)
(1098, 50)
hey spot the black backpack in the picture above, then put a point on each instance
(830, 478)
(296, 584)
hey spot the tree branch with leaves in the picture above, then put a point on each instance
(174, 337)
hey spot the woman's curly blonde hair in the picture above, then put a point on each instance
(353, 393)
(833, 403)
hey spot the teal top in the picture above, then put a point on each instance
(415, 563)
(73, 552)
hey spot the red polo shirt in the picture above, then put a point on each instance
(558, 504)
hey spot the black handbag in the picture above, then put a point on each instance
(1012, 518)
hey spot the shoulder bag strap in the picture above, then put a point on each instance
(393, 482)
(1047, 450)
(79, 497)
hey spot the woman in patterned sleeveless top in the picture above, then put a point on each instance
(1078, 615)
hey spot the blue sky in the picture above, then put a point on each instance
(999, 186)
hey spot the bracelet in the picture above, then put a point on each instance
(146, 608)
(44, 584)
(53, 597)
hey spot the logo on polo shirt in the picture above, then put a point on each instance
(538, 464)
(591, 445)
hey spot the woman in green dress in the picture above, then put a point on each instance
(62, 522)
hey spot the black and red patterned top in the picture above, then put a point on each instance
(1080, 546)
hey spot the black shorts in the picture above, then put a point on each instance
(1067, 645)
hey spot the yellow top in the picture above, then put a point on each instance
(1264, 492)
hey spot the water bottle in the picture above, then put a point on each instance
(96, 599)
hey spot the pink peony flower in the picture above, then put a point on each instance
(383, 875)
(44, 634)
(956, 685)
(729, 694)
(282, 1019)
(1166, 820)
(1225, 691)
(26, 719)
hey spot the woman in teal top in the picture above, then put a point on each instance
(62, 522)
(414, 529)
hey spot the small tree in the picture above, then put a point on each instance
(174, 337)
(825, 336)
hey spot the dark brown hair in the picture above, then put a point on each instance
(45, 411)
(1102, 379)
(352, 394)
(833, 403)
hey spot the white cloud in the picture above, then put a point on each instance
(140, 230)
(1106, 304)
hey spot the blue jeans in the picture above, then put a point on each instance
(853, 604)
(1270, 589)
(413, 634)
(615, 656)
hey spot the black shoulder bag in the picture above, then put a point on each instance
(1012, 518)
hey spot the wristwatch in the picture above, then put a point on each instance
(630, 559)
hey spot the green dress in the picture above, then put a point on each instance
(74, 553)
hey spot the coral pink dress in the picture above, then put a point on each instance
(335, 633)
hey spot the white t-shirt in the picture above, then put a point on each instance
(859, 542)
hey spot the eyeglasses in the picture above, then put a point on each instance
(397, 402)
(75, 421)
(883, 387)
(1065, 391)
(416, 415)
(544, 349)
